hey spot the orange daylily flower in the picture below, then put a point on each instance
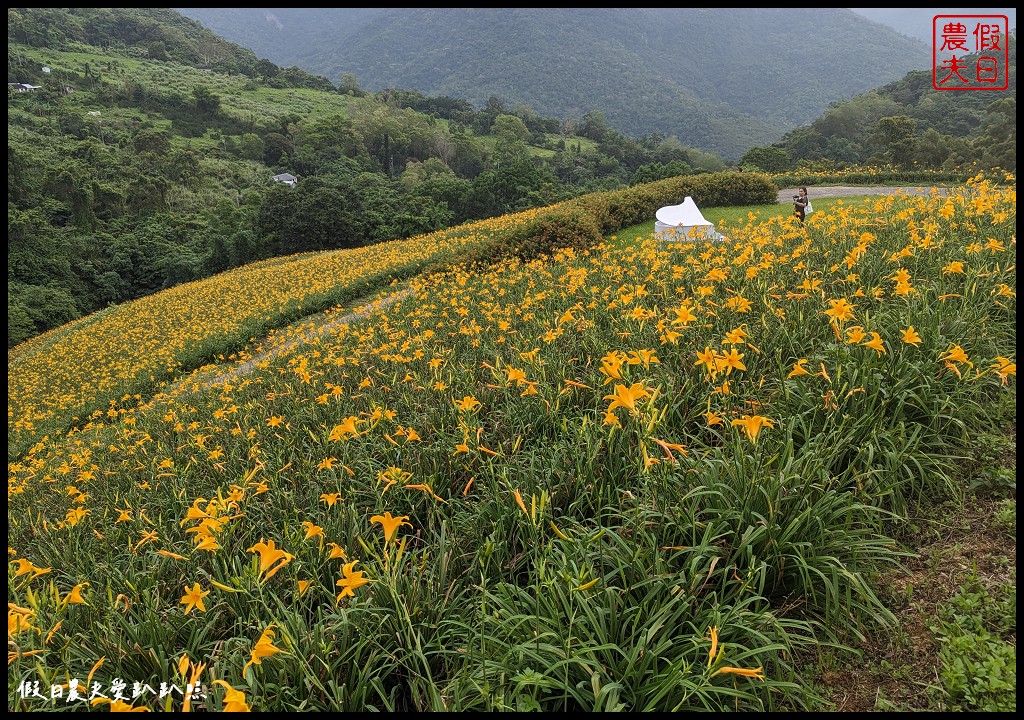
(752, 425)
(390, 524)
(272, 558)
(876, 344)
(627, 397)
(352, 580)
(798, 369)
(193, 598)
(234, 700)
(263, 648)
(910, 336)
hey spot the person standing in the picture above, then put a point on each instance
(800, 201)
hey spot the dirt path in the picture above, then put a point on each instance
(260, 355)
(786, 194)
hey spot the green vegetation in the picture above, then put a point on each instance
(977, 629)
(907, 125)
(629, 476)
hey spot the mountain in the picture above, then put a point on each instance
(719, 79)
(917, 22)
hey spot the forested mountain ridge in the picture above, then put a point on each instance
(906, 123)
(723, 79)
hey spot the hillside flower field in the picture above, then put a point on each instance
(638, 476)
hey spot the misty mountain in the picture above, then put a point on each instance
(722, 80)
(917, 22)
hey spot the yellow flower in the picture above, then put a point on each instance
(707, 359)
(336, 551)
(269, 555)
(352, 580)
(122, 706)
(956, 354)
(714, 418)
(876, 344)
(736, 336)
(345, 429)
(303, 586)
(327, 463)
(752, 424)
(840, 310)
(390, 524)
(74, 597)
(263, 648)
(467, 404)
(312, 530)
(954, 267)
(234, 700)
(756, 673)
(516, 375)
(193, 598)
(1004, 367)
(798, 369)
(911, 337)
(684, 315)
(207, 542)
(330, 498)
(714, 645)
(24, 566)
(519, 501)
(168, 553)
(730, 361)
(627, 397)
(855, 334)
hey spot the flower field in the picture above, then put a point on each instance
(636, 476)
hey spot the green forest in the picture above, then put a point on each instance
(906, 123)
(144, 154)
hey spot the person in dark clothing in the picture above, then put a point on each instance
(800, 203)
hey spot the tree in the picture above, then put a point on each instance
(266, 69)
(512, 125)
(153, 141)
(204, 100)
(768, 159)
(594, 125)
(656, 171)
(349, 85)
(276, 146)
(932, 149)
(997, 144)
(894, 135)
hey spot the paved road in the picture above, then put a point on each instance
(786, 194)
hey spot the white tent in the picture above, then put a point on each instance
(684, 222)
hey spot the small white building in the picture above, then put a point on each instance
(286, 178)
(684, 222)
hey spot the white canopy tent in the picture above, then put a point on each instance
(684, 222)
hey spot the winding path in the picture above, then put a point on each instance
(221, 375)
(786, 194)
